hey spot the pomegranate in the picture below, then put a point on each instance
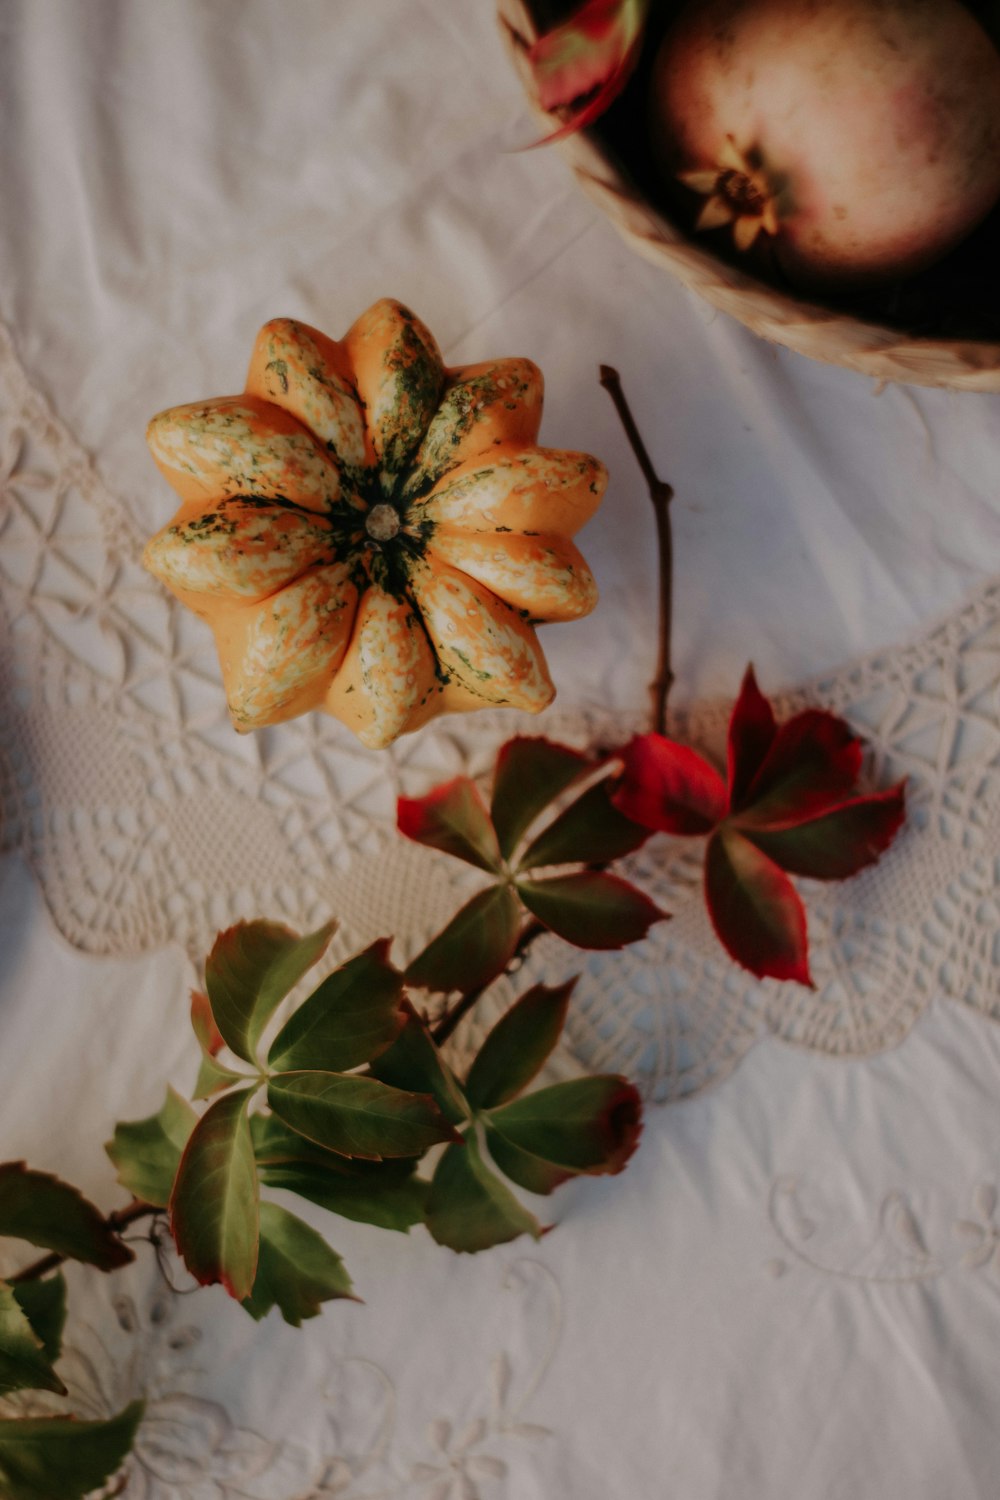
(859, 139)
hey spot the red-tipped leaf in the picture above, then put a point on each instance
(668, 788)
(591, 909)
(454, 819)
(518, 1046)
(530, 773)
(476, 946)
(839, 842)
(214, 1206)
(589, 1125)
(755, 909)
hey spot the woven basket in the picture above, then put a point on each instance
(823, 333)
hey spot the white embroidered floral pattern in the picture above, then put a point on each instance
(148, 821)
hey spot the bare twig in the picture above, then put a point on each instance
(661, 494)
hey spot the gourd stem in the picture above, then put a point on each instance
(661, 494)
(451, 1018)
(116, 1222)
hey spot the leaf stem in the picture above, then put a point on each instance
(661, 494)
(120, 1219)
(451, 1018)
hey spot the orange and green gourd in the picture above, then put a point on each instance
(372, 534)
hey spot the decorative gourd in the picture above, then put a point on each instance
(372, 534)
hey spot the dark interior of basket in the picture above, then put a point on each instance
(959, 297)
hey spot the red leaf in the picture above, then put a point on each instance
(755, 909)
(476, 946)
(751, 734)
(591, 909)
(530, 773)
(669, 788)
(814, 761)
(452, 818)
(587, 61)
(839, 842)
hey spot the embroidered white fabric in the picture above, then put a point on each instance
(149, 821)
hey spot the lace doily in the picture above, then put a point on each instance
(148, 821)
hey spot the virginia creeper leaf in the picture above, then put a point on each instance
(147, 1152)
(530, 773)
(296, 1269)
(587, 61)
(752, 729)
(24, 1361)
(59, 1458)
(357, 1116)
(814, 760)
(452, 818)
(589, 1125)
(44, 1305)
(474, 948)
(591, 909)
(212, 1075)
(249, 972)
(755, 909)
(518, 1045)
(839, 842)
(669, 788)
(214, 1206)
(413, 1062)
(51, 1214)
(469, 1208)
(591, 831)
(529, 1172)
(389, 1198)
(350, 1018)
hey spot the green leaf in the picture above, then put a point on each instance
(385, 1193)
(452, 818)
(532, 1173)
(591, 909)
(530, 773)
(469, 1208)
(59, 1458)
(44, 1305)
(357, 1116)
(589, 1125)
(474, 948)
(413, 1062)
(212, 1075)
(394, 1201)
(352, 1017)
(296, 1271)
(51, 1214)
(591, 831)
(249, 972)
(147, 1152)
(24, 1362)
(214, 1207)
(518, 1045)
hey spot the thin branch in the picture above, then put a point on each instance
(661, 494)
(117, 1221)
(451, 1018)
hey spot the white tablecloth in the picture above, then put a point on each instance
(794, 1287)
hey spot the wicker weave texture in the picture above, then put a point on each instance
(809, 328)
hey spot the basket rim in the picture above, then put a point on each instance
(809, 328)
